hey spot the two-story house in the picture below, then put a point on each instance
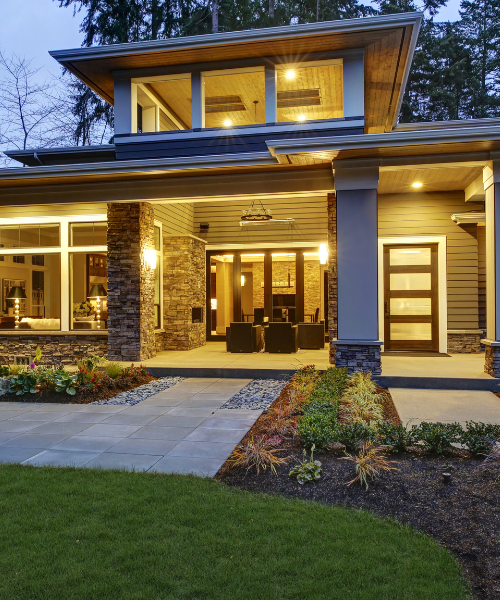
(256, 175)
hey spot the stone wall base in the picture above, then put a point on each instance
(358, 358)
(464, 342)
(492, 361)
(65, 349)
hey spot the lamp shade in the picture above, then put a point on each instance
(97, 291)
(16, 293)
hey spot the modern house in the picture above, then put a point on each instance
(239, 162)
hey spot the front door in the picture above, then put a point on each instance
(411, 312)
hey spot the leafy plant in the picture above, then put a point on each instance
(352, 434)
(316, 429)
(113, 369)
(16, 369)
(65, 382)
(90, 363)
(4, 371)
(94, 381)
(258, 453)
(135, 374)
(437, 437)
(38, 356)
(23, 383)
(479, 438)
(361, 402)
(307, 470)
(369, 464)
(283, 423)
(397, 437)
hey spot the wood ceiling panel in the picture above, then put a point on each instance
(432, 180)
(176, 95)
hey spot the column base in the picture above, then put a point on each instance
(358, 356)
(491, 358)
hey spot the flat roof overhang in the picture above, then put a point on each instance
(388, 42)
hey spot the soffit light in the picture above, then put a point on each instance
(290, 74)
(417, 184)
(301, 118)
(227, 123)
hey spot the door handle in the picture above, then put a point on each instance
(386, 309)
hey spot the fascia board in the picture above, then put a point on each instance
(235, 37)
(142, 166)
(382, 140)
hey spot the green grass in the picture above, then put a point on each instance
(86, 534)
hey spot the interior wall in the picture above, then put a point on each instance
(416, 214)
(223, 220)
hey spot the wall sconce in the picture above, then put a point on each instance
(323, 254)
(16, 293)
(150, 259)
(242, 280)
(213, 303)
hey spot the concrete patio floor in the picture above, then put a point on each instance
(180, 430)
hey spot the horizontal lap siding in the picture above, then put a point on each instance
(223, 219)
(417, 214)
(176, 219)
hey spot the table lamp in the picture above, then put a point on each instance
(16, 293)
(97, 291)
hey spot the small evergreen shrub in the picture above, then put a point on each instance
(479, 438)
(397, 437)
(437, 437)
(352, 434)
(316, 429)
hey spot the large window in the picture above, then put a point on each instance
(31, 291)
(29, 236)
(89, 288)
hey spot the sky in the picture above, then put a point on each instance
(31, 28)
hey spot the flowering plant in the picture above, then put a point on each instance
(82, 309)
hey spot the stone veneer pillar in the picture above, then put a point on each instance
(357, 346)
(130, 282)
(332, 273)
(184, 288)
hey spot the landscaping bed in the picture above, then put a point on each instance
(463, 514)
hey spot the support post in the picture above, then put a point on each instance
(354, 86)
(357, 346)
(125, 107)
(198, 100)
(491, 180)
(271, 97)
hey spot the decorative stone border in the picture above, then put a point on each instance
(257, 395)
(143, 392)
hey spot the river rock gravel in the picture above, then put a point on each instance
(257, 395)
(138, 394)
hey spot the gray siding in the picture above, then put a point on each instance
(175, 218)
(429, 214)
(481, 246)
(223, 219)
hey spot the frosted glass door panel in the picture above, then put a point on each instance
(405, 257)
(411, 331)
(410, 281)
(410, 306)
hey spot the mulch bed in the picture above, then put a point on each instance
(463, 515)
(79, 398)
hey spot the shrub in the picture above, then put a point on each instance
(94, 381)
(24, 383)
(369, 464)
(258, 453)
(479, 438)
(113, 369)
(90, 363)
(307, 470)
(283, 423)
(331, 385)
(316, 429)
(4, 371)
(361, 401)
(352, 434)
(65, 382)
(437, 437)
(397, 437)
(135, 374)
(16, 369)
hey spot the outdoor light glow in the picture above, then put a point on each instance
(242, 280)
(301, 118)
(290, 74)
(213, 303)
(227, 123)
(323, 254)
(417, 184)
(150, 258)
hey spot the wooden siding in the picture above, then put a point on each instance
(481, 250)
(223, 219)
(429, 214)
(177, 219)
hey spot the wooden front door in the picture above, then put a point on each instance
(411, 311)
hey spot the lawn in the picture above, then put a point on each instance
(101, 534)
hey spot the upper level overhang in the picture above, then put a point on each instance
(388, 43)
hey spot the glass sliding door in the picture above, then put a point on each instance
(221, 293)
(284, 287)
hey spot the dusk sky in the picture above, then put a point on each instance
(31, 28)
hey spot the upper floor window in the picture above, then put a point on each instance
(310, 91)
(162, 103)
(234, 97)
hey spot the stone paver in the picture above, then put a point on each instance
(418, 405)
(179, 430)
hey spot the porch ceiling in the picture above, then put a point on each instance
(432, 179)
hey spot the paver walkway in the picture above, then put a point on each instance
(180, 430)
(446, 405)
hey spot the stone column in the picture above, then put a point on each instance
(491, 179)
(184, 289)
(357, 346)
(130, 282)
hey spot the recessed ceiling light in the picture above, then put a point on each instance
(227, 123)
(290, 74)
(417, 184)
(301, 118)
